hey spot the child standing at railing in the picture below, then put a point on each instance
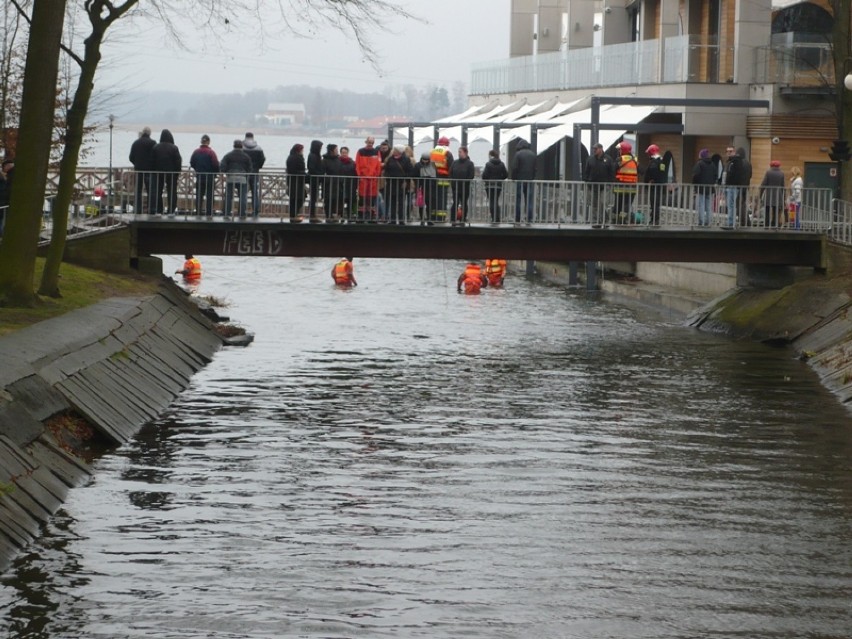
(795, 203)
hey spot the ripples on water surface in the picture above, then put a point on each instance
(401, 461)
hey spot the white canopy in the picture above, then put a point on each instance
(621, 114)
(519, 118)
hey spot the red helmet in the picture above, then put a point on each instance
(625, 147)
(443, 141)
(652, 149)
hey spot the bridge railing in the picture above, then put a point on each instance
(438, 200)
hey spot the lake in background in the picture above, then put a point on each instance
(275, 147)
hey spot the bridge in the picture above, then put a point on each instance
(152, 235)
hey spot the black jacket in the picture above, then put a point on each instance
(331, 164)
(462, 169)
(493, 174)
(166, 156)
(236, 161)
(655, 173)
(140, 153)
(523, 164)
(704, 173)
(397, 167)
(599, 169)
(738, 171)
(315, 166)
(295, 164)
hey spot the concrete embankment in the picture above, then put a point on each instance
(810, 315)
(82, 382)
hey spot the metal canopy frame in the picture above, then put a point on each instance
(595, 125)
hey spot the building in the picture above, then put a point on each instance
(286, 114)
(565, 51)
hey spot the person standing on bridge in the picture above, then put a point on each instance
(332, 191)
(737, 180)
(236, 166)
(316, 175)
(258, 158)
(143, 163)
(167, 166)
(348, 181)
(494, 174)
(795, 204)
(773, 194)
(523, 174)
(462, 173)
(472, 279)
(425, 179)
(343, 273)
(368, 166)
(626, 177)
(598, 173)
(296, 181)
(656, 176)
(442, 159)
(704, 177)
(206, 165)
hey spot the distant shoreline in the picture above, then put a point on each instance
(241, 131)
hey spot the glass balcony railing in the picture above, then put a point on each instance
(685, 59)
(797, 65)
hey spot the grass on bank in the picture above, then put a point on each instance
(79, 287)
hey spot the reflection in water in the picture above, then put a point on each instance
(402, 461)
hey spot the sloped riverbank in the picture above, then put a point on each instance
(78, 384)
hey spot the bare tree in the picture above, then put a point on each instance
(357, 16)
(18, 251)
(12, 58)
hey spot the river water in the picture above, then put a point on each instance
(397, 460)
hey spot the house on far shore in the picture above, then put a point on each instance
(286, 114)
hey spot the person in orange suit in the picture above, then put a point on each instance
(473, 279)
(343, 273)
(191, 270)
(495, 271)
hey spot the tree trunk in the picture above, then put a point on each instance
(101, 16)
(20, 241)
(68, 165)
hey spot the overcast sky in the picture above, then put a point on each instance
(436, 49)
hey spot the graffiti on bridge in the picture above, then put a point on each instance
(252, 243)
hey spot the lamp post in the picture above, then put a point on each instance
(111, 122)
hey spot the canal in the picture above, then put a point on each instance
(397, 460)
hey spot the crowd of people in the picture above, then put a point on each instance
(376, 183)
(387, 184)
(717, 185)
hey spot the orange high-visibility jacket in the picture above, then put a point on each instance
(472, 279)
(342, 272)
(192, 269)
(495, 270)
(439, 159)
(627, 175)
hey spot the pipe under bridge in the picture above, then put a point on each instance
(262, 238)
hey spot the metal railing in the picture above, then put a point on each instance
(438, 201)
(797, 65)
(684, 59)
(691, 59)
